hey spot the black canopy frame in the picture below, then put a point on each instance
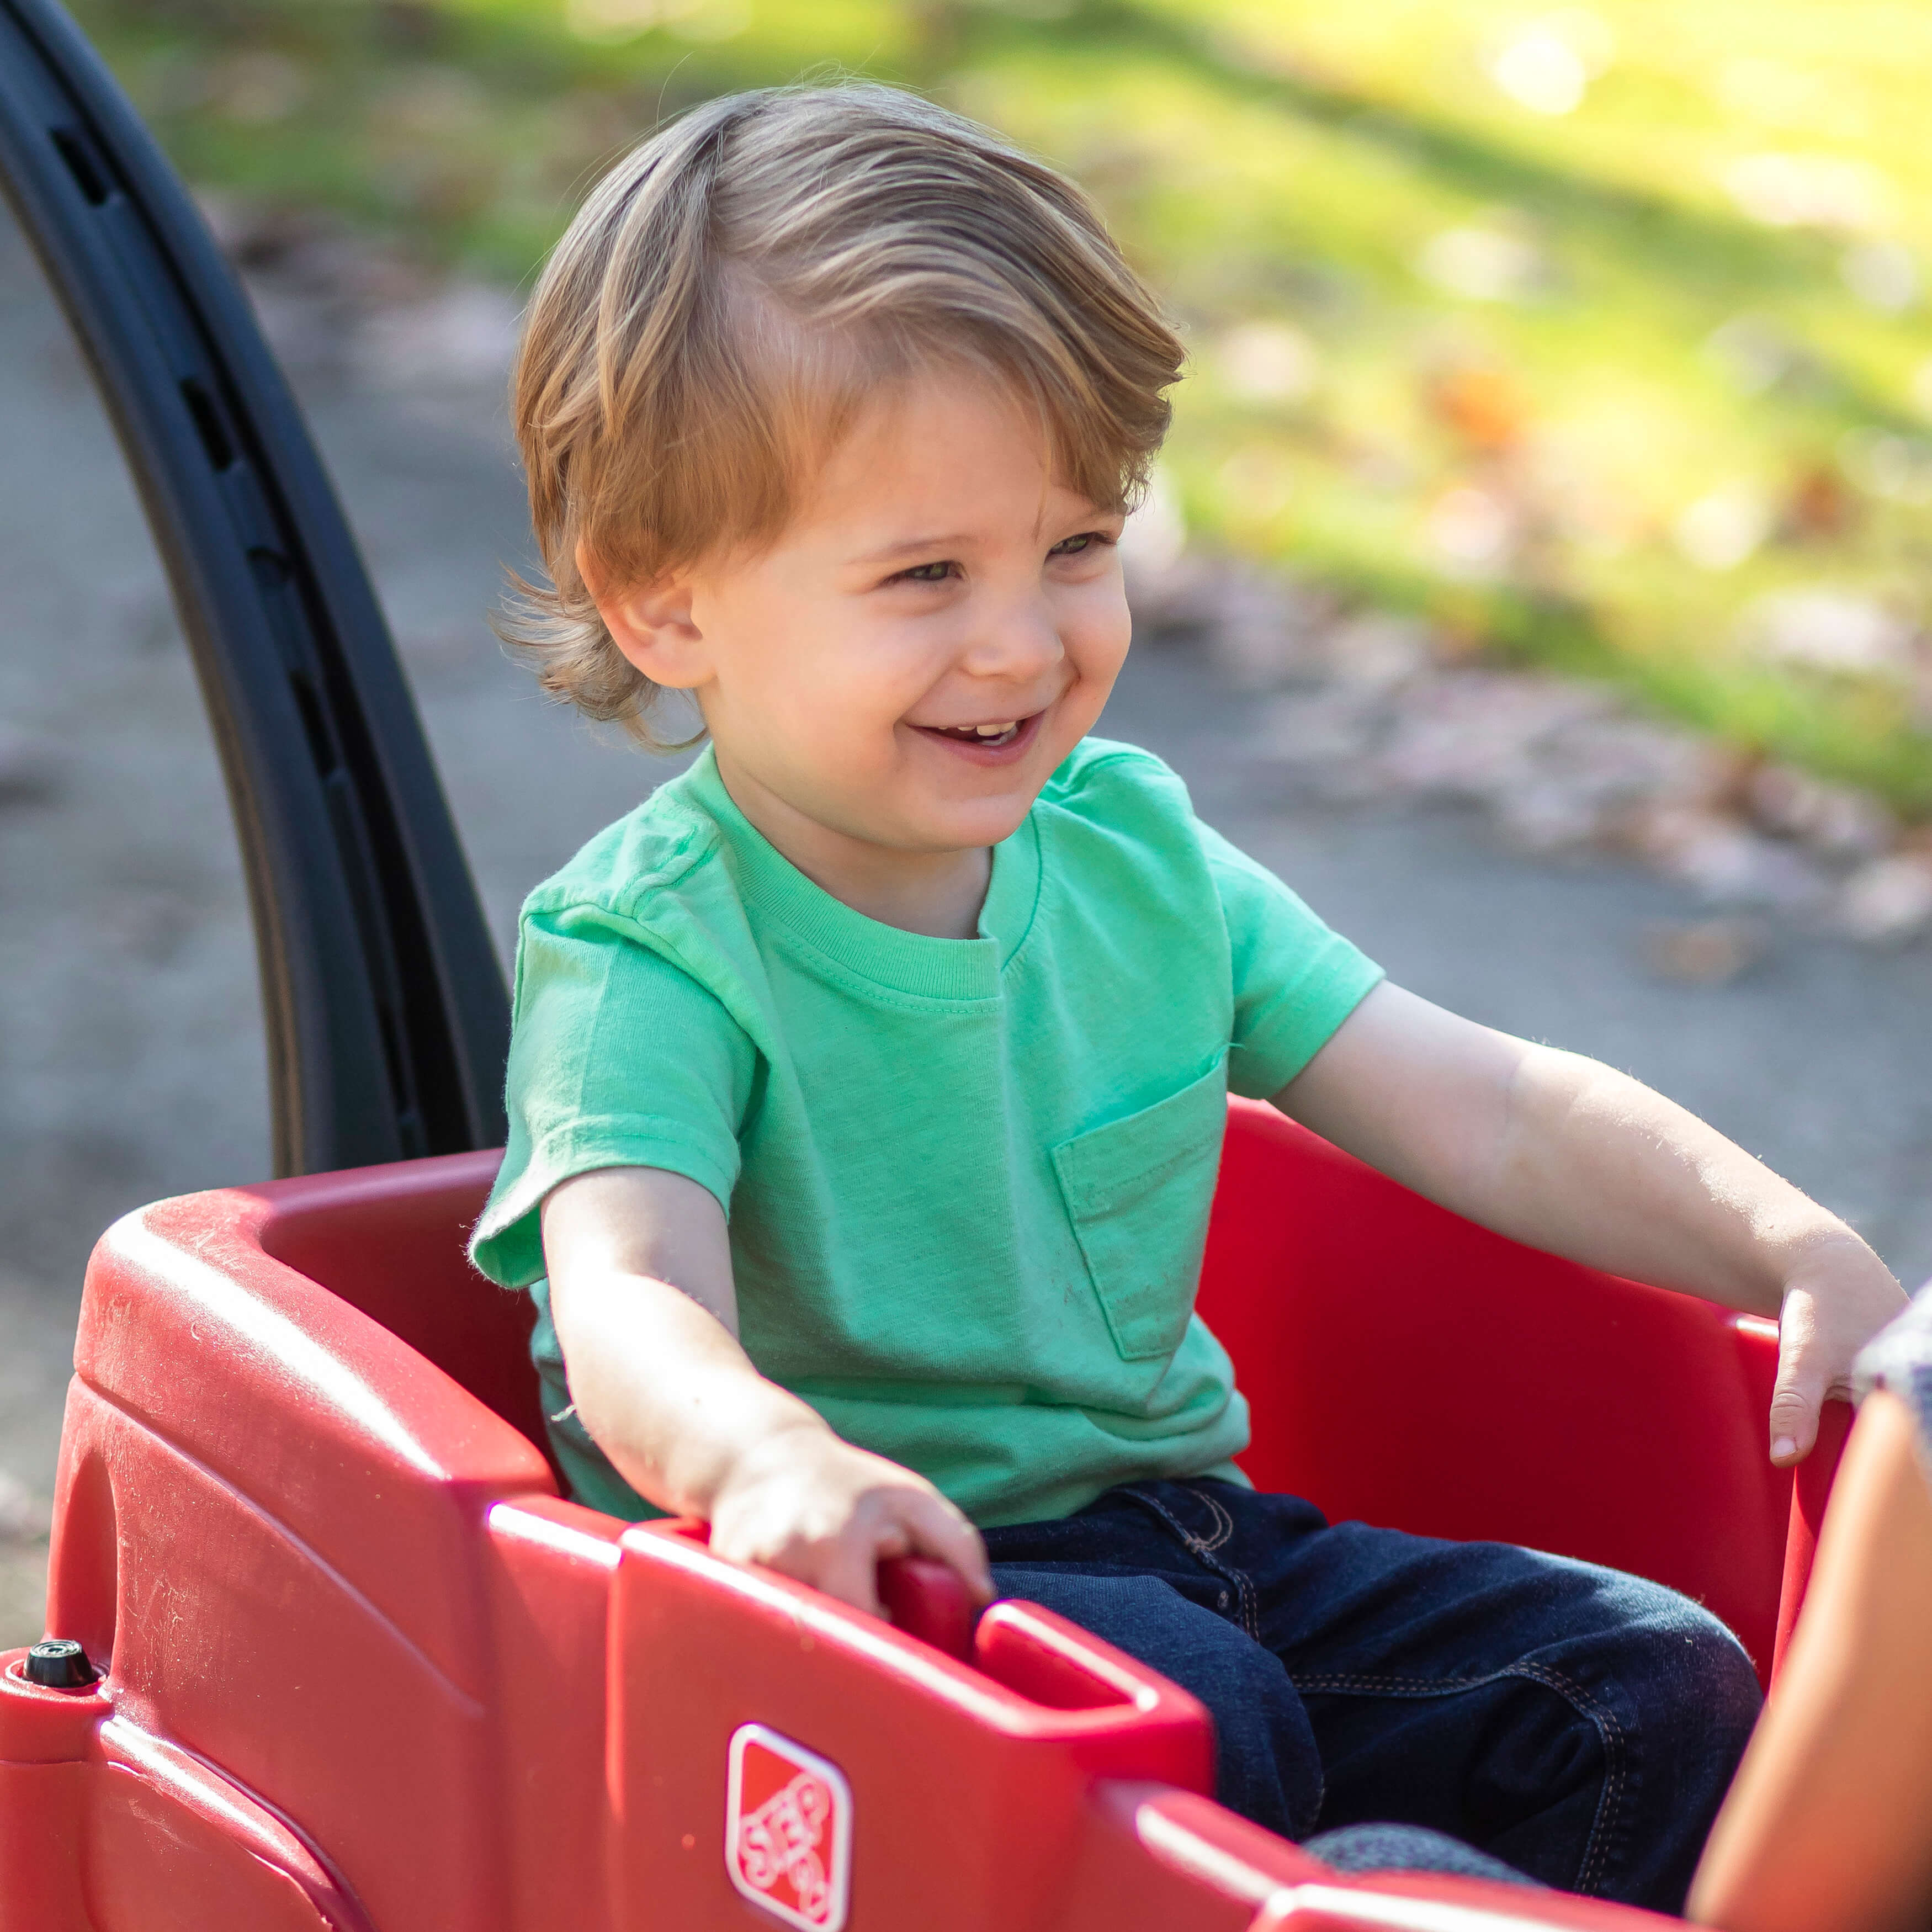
(386, 1009)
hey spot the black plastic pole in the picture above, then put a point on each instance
(386, 1014)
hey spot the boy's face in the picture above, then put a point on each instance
(905, 666)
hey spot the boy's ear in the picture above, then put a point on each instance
(651, 624)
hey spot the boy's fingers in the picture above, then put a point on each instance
(937, 1532)
(1794, 1429)
(850, 1572)
(1797, 1397)
(824, 1566)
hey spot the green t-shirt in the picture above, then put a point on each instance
(968, 1180)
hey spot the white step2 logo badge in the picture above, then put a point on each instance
(788, 1830)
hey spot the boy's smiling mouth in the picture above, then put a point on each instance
(996, 741)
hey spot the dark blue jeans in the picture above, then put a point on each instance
(1580, 1724)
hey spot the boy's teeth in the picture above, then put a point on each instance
(981, 734)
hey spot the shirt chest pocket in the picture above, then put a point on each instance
(1138, 1191)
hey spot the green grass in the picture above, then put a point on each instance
(1578, 325)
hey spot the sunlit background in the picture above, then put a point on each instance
(1596, 335)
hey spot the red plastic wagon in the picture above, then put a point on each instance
(334, 1652)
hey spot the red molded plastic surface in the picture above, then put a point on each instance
(105, 1828)
(367, 1669)
(1809, 1493)
(1407, 1368)
(967, 1785)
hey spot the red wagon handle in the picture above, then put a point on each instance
(928, 1600)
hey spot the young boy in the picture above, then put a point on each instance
(868, 1081)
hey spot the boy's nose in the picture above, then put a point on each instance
(1018, 641)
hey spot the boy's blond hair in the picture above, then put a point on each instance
(738, 285)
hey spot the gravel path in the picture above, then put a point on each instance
(130, 1052)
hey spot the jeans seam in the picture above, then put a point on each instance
(1609, 1732)
(1202, 1551)
(1224, 1520)
(1250, 1596)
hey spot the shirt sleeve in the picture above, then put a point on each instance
(1898, 1360)
(1295, 980)
(618, 1058)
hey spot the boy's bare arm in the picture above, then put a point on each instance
(1826, 1822)
(646, 1316)
(1569, 1156)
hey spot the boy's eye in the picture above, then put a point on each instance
(927, 573)
(1077, 546)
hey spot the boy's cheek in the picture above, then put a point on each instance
(1098, 660)
(1100, 625)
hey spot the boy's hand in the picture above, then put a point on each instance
(803, 1502)
(1838, 1296)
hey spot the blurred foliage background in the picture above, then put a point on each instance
(1596, 334)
